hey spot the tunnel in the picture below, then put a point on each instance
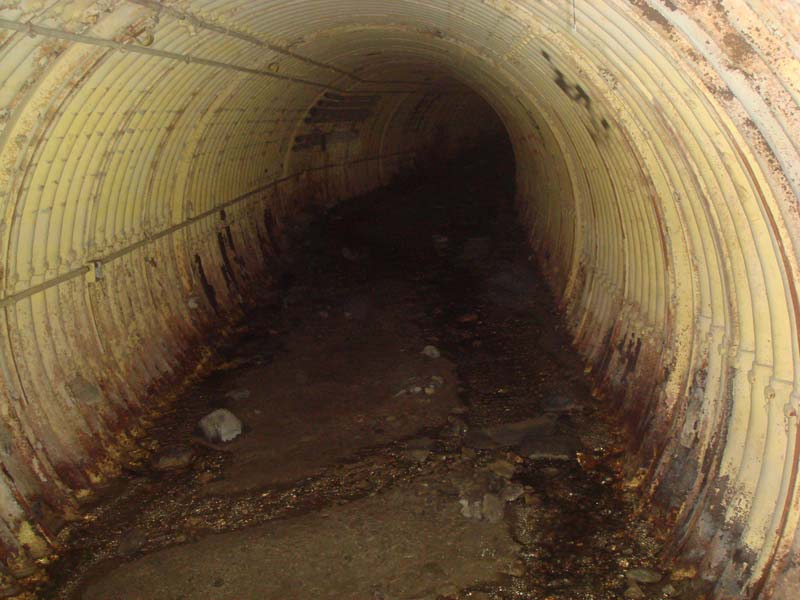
(153, 152)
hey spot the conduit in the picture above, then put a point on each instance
(152, 153)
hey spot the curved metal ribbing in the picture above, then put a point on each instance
(151, 152)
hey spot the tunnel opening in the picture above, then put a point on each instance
(159, 161)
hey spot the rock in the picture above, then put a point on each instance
(552, 447)
(532, 498)
(131, 542)
(643, 575)
(512, 492)
(480, 440)
(503, 468)
(558, 404)
(472, 509)
(431, 351)
(634, 592)
(173, 457)
(669, 591)
(417, 455)
(515, 568)
(526, 523)
(512, 434)
(220, 426)
(236, 395)
(493, 508)
(456, 427)
(468, 453)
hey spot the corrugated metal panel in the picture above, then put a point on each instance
(658, 172)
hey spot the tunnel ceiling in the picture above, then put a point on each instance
(152, 153)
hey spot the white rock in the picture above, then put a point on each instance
(431, 351)
(220, 426)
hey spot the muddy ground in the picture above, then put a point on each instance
(416, 426)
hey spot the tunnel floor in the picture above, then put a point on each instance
(370, 467)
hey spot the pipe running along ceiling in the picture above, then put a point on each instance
(151, 153)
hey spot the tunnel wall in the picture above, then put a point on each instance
(152, 153)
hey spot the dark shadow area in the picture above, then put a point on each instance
(415, 424)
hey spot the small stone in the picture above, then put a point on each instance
(236, 395)
(415, 389)
(430, 390)
(131, 542)
(417, 455)
(205, 477)
(669, 590)
(503, 468)
(437, 381)
(493, 508)
(472, 509)
(516, 568)
(173, 457)
(431, 351)
(643, 575)
(532, 499)
(552, 447)
(512, 492)
(634, 592)
(558, 404)
(468, 453)
(220, 426)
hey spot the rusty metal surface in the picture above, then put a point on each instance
(152, 152)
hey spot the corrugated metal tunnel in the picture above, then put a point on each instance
(153, 151)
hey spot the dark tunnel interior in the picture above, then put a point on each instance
(441, 300)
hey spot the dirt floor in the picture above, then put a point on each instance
(415, 426)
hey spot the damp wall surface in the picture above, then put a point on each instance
(151, 154)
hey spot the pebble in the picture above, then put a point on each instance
(493, 508)
(633, 592)
(131, 541)
(512, 492)
(516, 568)
(238, 394)
(669, 590)
(417, 455)
(173, 457)
(642, 575)
(220, 426)
(503, 468)
(472, 509)
(431, 351)
(558, 404)
(551, 447)
(430, 390)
